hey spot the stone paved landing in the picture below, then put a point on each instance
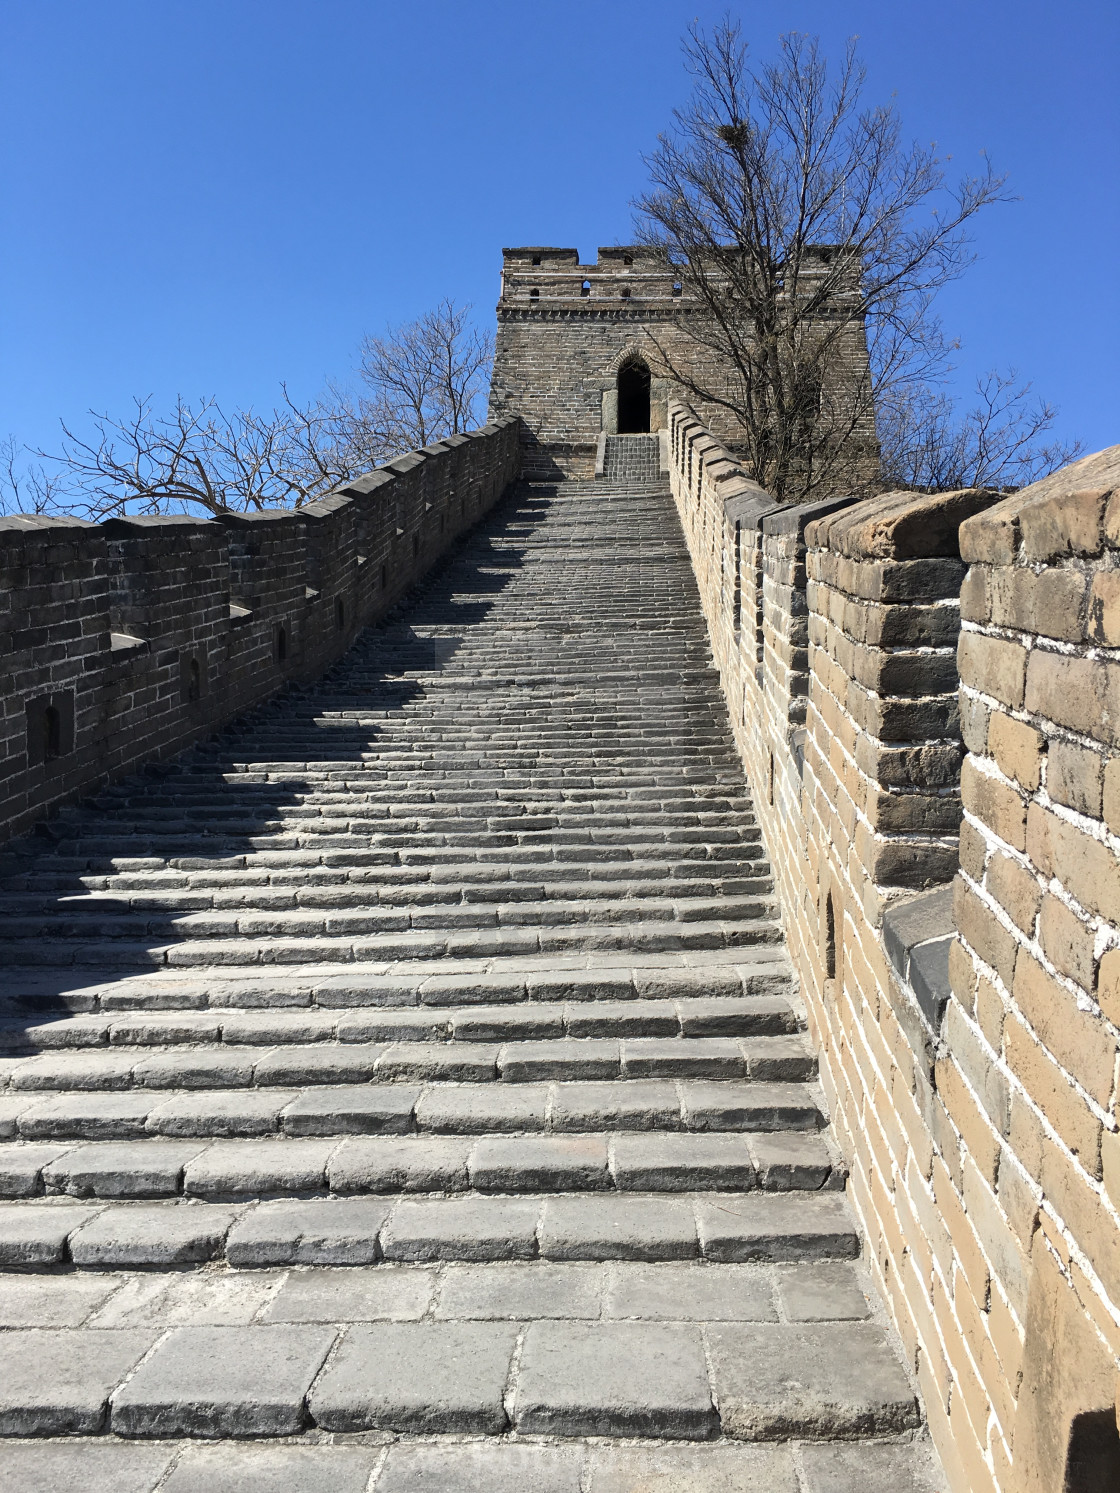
(411, 1081)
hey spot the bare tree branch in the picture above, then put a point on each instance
(426, 380)
(811, 241)
(997, 443)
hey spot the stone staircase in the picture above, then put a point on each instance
(633, 459)
(407, 1090)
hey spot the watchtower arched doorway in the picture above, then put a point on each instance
(633, 397)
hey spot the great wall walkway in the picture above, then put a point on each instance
(412, 1079)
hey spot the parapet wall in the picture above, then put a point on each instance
(126, 641)
(947, 854)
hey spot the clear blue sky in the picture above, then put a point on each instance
(208, 196)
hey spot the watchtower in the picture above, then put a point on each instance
(577, 354)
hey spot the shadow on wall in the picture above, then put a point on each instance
(199, 848)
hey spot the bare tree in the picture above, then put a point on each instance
(811, 241)
(425, 379)
(26, 486)
(998, 442)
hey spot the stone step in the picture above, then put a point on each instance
(624, 1016)
(81, 918)
(487, 1464)
(228, 1065)
(402, 1228)
(490, 900)
(762, 969)
(775, 1161)
(441, 1107)
(415, 944)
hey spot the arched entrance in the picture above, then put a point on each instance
(633, 397)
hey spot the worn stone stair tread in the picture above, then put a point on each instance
(571, 1160)
(360, 1230)
(230, 1065)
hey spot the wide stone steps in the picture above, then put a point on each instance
(442, 1106)
(515, 1019)
(585, 1161)
(710, 1225)
(408, 1089)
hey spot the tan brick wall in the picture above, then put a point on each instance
(981, 1131)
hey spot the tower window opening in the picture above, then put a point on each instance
(633, 397)
(628, 259)
(585, 288)
(534, 294)
(536, 259)
(281, 644)
(676, 287)
(626, 292)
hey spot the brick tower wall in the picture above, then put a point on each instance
(564, 329)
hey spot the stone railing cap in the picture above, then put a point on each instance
(1075, 511)
(900, 525)
(791, 518)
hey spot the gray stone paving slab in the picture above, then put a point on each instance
(385, 1293)
(186, 1298)
(672, 1162)
(634, 1105)
(791, 1161)
(501, 1023)
(776, 1226)
(221, 1112)
(52, 1300)
(21, 1166)
(708, 1105)
(872, 1467)
(223, 1381)
(520, 1292)
(529, 1062)
(617, 1228)
(36, 1233)
(88, 1116)
(88, 1466)
(258, 1167)
(122, 1169)
(414, 1163)
(483, 1108)
(826, 1380)
(690, 1293)
(463, 1229)
(330, 1231)
(622, 1019)
(480, 1467)
(693, 1469)
(229, 1468)
(151, 1234)
(360, 1109)
(417, 1376)
(539, 1163)
(821, 1293)
(675, 1057)
(57, 1383)
(352, 1063)
(614, 1379)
